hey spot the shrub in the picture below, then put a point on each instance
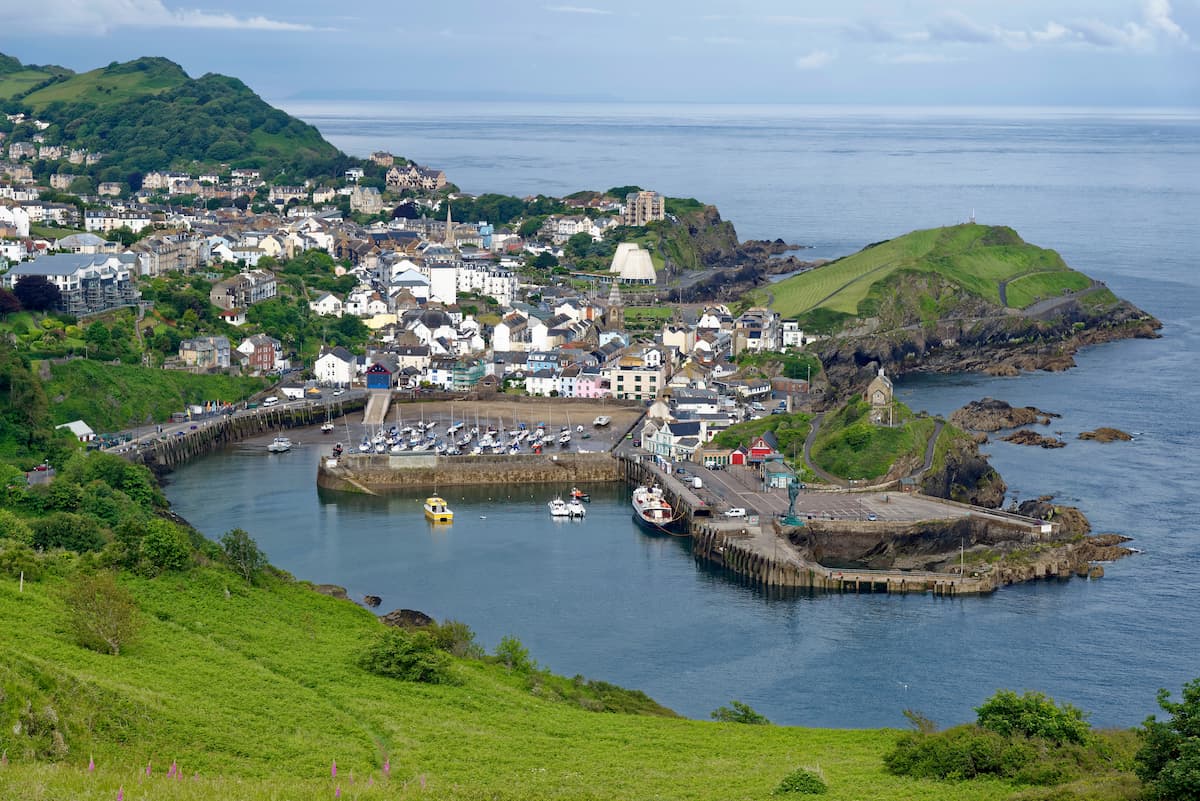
(963, 752)
(17, 559)
(101, 613)
(69, 531)
(1169, 759)
(14, 528)
(1033, 715)
(802, 782)
(165, 547)
(456, 638)
(738, 712)
(514, 656)
(408, 656)
(243, 553)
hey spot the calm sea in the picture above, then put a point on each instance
(1113, 191)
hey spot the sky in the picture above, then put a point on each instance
(906, 52)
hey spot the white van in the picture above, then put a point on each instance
(269, 402)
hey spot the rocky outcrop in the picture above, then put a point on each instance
(332, 590)
(1072, 522)
(1106, 434)
(973, 336)
(966, 477)
(372, 600)
(990, 414)
(407, 619)
(1026, 437)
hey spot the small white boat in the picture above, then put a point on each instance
(575, 509)
(326, 427)
(558, 508)
(280, 445)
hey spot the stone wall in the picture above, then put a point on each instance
(369, 473)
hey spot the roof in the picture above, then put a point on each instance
(78, 428)
(60, 264)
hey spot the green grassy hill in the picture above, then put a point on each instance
(110, 85)
(255, 688)
(991, 263)
(148, 114)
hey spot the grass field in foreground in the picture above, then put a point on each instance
(258, 692)
(977, 257)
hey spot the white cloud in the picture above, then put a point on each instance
(577, 10)
(1157, 14)
(102, 16)
(815, 60)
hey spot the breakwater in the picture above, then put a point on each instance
(369, 473)
(206, 435)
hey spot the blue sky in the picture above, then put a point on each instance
(913, 52)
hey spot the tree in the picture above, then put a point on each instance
(544, 261)
(165, 547)
(577, 246)
(514, 656)
(36, 292)
(738, 712)
(101, 613)
(9, 304)
(243, 553)
(1169, 759)
(408, 656)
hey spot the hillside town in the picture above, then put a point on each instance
(443, 304)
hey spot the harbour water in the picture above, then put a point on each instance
(1111, 190)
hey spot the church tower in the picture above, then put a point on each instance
(449, 227)
(614, 317)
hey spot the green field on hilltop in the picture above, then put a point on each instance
(21, 81)
(111, 84)
(299, 702)
(849, 445)
(978, 258)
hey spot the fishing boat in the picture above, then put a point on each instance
(651, 511)
(558, 508)
(576, 509)
(579, 495)
(437, 511)
(280, 445)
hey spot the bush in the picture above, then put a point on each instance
(69, 531)
(408, 656)
(738, 712)
(101, 613)
(14, 528)
(17, 559)
(243, 553)
(1169, 759)
(514, 656)
(1033, 715)
(802, 782)
(165, 547)
(456, 638)
(963, 752)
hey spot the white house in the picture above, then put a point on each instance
(335, 366)
(328, 305)
(16, 218)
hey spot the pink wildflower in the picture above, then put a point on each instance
(387, 767)
(147, 768)
(333, 769)
(337, 793)
(121, 794)
(91, 764)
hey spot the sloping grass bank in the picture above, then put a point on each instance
(256, 690)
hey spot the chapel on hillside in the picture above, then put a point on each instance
(879, 395)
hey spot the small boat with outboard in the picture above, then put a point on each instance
(280, 445)
(437, 511)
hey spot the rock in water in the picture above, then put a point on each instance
(1106, 434)
(1026, 437)
(407, 619)
(990, 414)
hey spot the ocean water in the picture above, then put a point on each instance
(1112, 190)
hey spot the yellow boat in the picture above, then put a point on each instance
(437, 511)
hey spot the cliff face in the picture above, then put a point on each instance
(967, 477)
(928, 328)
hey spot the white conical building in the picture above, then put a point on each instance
(623, 251)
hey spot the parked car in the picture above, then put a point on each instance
(338, 393)
(872, 516)
(679, 471)
(736, 511)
